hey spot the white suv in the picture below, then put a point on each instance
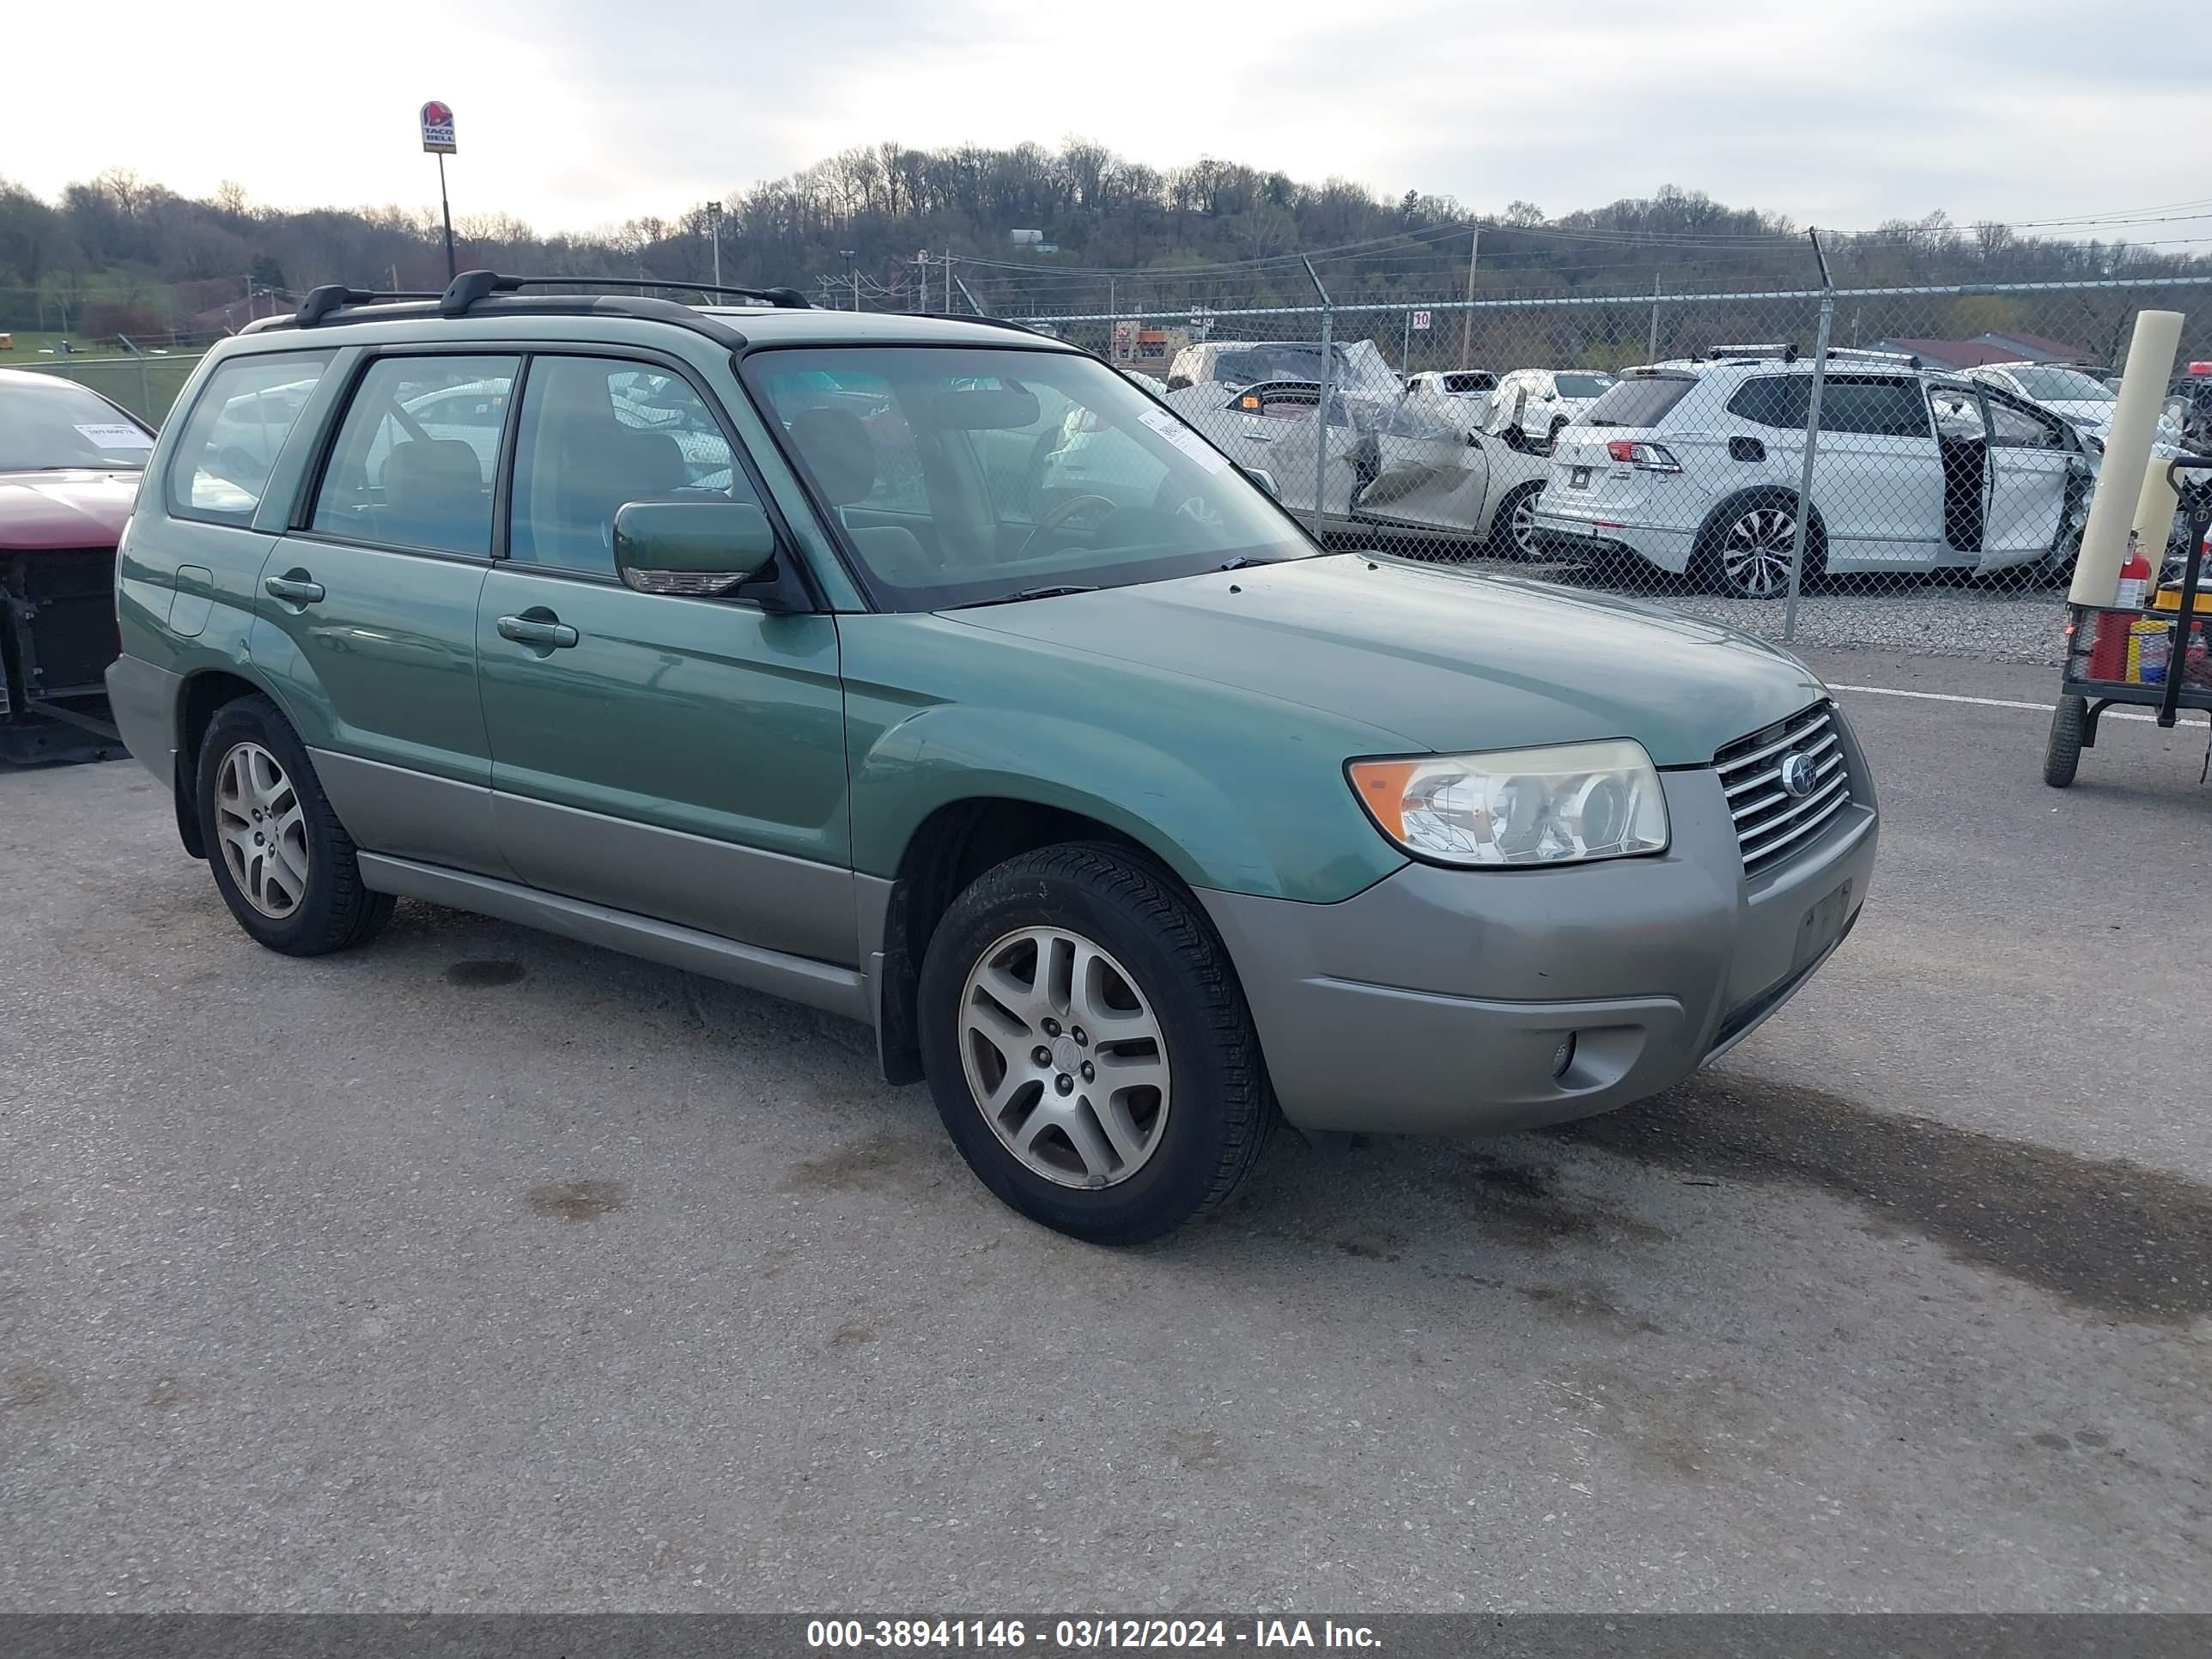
(1534, 404)
(1694, 466)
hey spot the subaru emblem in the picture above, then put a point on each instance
(1797, 774)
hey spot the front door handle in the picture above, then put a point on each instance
(541, 631)
(299, 589)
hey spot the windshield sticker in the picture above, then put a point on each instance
(116, 436)
(1185, 440)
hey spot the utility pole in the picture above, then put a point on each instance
(1652, 348)
(852, 276)
(1466, 317)
(714, 230)
(947, 284)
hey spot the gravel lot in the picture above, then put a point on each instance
(480, 1270)
(1992, 622)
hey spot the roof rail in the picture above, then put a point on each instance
(1903, 359)
(472, 286)
(1782, 348)
(333, 296)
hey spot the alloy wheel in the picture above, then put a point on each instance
(1522, 525)
(1065, 1057)
(262, 830)
(1755, 552)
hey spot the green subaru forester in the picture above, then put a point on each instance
(929, 673)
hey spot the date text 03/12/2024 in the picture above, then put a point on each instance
(1083, 1635)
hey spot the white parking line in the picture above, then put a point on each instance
(1979, 702)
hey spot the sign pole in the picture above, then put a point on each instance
(446, 208)
(438, 140)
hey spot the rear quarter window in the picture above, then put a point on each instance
(230, 442)
(1776, 400)
(1642, 402)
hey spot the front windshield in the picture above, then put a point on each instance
(47, 424)
(2068, 385)
(962, 476)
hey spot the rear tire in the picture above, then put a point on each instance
(1032, 953)
(2062, 756)
(282, 861)
(1743, 551)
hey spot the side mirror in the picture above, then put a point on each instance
(1265, 479)
(1178, 382)
(704, 547)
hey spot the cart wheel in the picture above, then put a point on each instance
(2063, 758)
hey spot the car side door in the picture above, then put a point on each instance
(1877, 477)
(367, 624)
(2030, 463)
(674, 755)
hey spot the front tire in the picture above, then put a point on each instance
(1089, 1046)
(281, 860)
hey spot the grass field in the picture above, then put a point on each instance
(145, 385)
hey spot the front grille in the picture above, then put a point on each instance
(1770, 821)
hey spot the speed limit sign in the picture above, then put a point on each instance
(1421, 320)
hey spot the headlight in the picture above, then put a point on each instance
(1564, 804)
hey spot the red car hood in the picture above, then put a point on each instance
(81, 507)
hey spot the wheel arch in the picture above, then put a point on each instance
(203, 693)
(951, 848)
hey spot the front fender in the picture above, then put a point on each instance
(1267, 833)
(950, 753)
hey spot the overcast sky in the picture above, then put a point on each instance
(576, 114)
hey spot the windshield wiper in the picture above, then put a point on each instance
(1031, 593)
(1240, 563)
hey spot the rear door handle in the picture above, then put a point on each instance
(538, 630)
(298, 589)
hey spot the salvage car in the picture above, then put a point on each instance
(1129, 822)
(1390, 449)
(1470, 386)
(1693, 467)
(70, 466)
(1535, 404)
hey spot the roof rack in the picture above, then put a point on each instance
(333, 296)
(472, 286)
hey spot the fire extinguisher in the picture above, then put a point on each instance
(2108, 653)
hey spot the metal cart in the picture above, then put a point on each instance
(2146, 656)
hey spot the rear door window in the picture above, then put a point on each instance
(1643, 401)
(238, 424)
(416, 454)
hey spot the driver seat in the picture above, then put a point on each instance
(842, 456)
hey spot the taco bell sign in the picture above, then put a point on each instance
(438, 128)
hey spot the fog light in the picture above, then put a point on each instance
(1564, 1056)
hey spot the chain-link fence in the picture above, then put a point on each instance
(1947, 439)
(145, 383)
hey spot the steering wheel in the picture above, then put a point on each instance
(1196, 508)
(1059, 516)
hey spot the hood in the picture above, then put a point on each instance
(81, 507)
(1450, 660)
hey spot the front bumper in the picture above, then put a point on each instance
(1438, 1000)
